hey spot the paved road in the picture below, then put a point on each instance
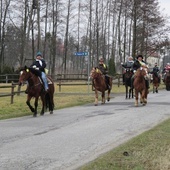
(73, 136)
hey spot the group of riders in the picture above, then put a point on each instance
(38, 67)
(138, 63)
(133, 66)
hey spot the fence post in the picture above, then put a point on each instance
(12, 93)
(6, 78)
(59, 86)
(18, 91)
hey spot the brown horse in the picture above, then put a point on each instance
(155, 82)
(36, 90)
(140, 86)
(99, 84)
(167, 80)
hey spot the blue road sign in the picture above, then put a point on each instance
(81, 53)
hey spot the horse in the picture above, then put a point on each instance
(155, 82)
(128, 83)
(99, 84)
(140, 86)
(36, 90)
(167, 80)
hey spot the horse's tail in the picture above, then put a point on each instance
(47, 100)
(48, 103)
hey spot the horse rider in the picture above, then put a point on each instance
(104, 69)
(38, 68)
(139, 62)
(156, 70)
(128, 64)
(165, 70)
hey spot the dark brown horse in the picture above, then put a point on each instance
(36, 90)
(155, 82)
(99, 84)
(140, 86)
(128, 83)
(167, 80)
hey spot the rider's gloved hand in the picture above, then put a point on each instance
(34, 66)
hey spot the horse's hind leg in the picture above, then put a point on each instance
(136, 98)
(108, 96)
(36, 105)
(43, 105)
(103, 97)
(96, 98)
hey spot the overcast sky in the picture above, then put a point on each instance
(165, 6)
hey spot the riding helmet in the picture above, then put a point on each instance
(39, 54)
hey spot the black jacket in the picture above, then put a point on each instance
(103, 68)
(40, 64)
(137, 64)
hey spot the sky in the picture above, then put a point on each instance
(164, 6)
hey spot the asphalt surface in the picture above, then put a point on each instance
(74, 136)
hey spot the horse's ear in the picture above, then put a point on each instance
(26, 69)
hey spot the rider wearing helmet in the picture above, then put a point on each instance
(137, 64)
(39, 65)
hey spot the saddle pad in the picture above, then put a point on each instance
(49, 81)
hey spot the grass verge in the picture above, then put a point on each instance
(148, 151)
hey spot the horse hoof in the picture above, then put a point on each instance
(51, 112)
(96, 104)
(34, 115)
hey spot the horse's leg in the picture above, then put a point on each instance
(144, 96)
(28, 103)
(43, 104)
(36, 105)
(96, 98)
(130, 90)
(136, 97)
(126, 87)
(51, 102)
(109, 90)
(157, 85)
(103, 97)
(108, 97)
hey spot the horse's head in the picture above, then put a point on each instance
(128, 73)
(141, 72)
(95, 72)
(25, 74)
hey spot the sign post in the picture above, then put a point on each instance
(85, 54)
